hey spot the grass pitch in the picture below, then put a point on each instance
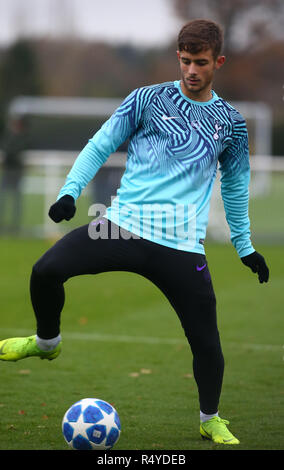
(123, 343)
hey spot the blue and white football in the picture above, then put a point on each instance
(91, 424)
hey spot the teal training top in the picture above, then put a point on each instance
(175, 144)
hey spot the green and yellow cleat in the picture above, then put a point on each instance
(14, 349)
(215, 429)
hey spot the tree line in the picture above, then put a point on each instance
(96, 69)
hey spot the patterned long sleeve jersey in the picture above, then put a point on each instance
(175, 144)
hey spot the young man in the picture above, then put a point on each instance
(156, 226)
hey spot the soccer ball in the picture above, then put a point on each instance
(91, 424)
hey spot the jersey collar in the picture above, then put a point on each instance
(199, 103)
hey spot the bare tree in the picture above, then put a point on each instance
(247, 23)
(62, 18)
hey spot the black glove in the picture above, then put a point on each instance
(257, 264)
(64, 208)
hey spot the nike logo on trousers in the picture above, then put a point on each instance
(199, 268)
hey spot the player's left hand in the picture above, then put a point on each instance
(257, 264)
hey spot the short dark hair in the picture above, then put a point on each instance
(199, 35)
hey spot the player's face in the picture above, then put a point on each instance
(197, 72)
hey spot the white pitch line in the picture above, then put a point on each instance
(77, 336)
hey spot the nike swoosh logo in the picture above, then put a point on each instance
(166, 118)
(199, 268)
(1, 349)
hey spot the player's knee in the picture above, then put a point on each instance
(47, 269)
(205, 344)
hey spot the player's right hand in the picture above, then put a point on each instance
(63, 209)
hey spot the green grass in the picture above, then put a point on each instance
(123, 343)
(266, 212)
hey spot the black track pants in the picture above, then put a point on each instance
(183, 277)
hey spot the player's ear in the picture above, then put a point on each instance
(220, 61)
(178, 55)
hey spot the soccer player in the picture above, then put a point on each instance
(156, 225)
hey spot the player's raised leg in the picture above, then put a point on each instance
(75, 254)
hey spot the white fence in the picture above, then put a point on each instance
(46, 171)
